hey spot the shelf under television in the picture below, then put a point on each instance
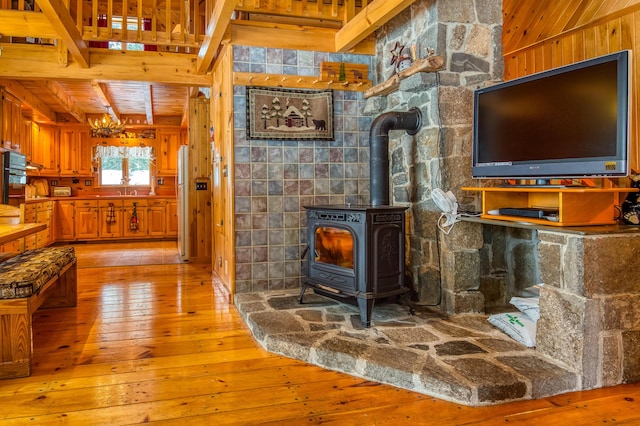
(576, 206)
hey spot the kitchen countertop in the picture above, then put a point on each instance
(99, 197)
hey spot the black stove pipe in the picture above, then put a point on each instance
(410, 121)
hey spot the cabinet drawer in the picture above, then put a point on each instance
(86, 203)
(157, 203)
(107, 203)
(137, 201)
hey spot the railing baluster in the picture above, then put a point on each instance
(140, 21)
(110, 18)
(182, 21)
(94, 18)
(79, 14)
(196, 19)
(154, 21)
(125, 30)
(167, 23)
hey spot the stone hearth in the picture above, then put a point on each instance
(460, 358)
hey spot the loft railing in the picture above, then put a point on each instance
(180, 25)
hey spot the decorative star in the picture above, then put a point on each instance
(396, 52)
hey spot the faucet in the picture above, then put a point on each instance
(124, 182)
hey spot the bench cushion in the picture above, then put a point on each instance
(25, 274)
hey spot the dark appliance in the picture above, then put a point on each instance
(14, 178)
(357, 253)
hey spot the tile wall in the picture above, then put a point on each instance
(275, 179)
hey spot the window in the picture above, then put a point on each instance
(132, 25)
(122, 165)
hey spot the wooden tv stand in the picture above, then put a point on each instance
(576, 206)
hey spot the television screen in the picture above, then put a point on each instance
(571, 121)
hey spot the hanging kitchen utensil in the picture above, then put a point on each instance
(111, 214)
(133, 223)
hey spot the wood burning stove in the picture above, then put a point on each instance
(355, 254)
(358, 252)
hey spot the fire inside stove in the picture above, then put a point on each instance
(334, 246)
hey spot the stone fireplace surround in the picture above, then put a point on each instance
(588, 335)
(590, 312)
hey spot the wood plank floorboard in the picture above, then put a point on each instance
(160, 344)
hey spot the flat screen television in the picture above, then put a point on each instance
(568, 122)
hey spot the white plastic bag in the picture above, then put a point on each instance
(517, 325)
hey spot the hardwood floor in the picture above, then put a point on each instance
(160, 344)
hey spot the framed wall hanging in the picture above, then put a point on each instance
(287, 114)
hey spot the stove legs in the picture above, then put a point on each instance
(302, 290)
(366, 307)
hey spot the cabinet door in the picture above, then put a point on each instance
(139, 229)
(156, 220)
(171, 218)
(111, 219)
(168, 142)
(16, 124)
(45, 150)
(7, 104)
(67, 152)
(27, 135)
(86, 223)
(85, 153)
(65, 220)
(75, 152)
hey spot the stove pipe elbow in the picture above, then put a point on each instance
(410, 121)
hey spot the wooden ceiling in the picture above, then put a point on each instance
(72, 60)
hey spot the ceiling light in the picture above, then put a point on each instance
(106, 127)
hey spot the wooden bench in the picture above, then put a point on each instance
(40, 278)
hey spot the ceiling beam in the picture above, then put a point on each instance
(367, 21)
(29, 98)
(147, 95)
(30, 62)
(249, 33)
(105, 98)
(61, 20)
(64, 99)
(218, 24)
(26, 24)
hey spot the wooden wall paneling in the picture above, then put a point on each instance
(578, 47)
(602, 39)
(199, 200)
(584, 30)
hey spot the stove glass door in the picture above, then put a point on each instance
(334, 246)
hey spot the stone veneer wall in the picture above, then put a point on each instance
(590, 304)
(468, 34)
(275, 179)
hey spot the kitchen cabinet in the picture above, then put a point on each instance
(171, 219)
(75, 152)
(29, 216)
(45, 150)
(65, 211)
(26, 146)
(156, 218)
(111, 219)
(44, 214)
(139, 229)
(86, 219)
(11, 123)
(167, 144)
